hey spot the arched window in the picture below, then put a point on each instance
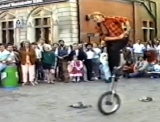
(41, 20)
(7, 28)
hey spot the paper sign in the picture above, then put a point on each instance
(3, 75)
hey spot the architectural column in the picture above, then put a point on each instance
(67, 21)
(30, 30)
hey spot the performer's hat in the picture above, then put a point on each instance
(91, 16)
(95, 13)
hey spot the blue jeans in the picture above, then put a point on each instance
(106, 71)
(136, 75)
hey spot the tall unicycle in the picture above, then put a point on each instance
(110, 102)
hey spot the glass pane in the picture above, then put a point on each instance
(144, 23)
(4, 24)
(38, 22)
(11, 36)
(145, 35)
(4, 37)
(10, 24)
(151, 24)
(151, 35)
(46, 21)
(38, 34)
(46, 35)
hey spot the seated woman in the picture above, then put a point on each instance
(140, 68)
(128, 68)
(155, 72)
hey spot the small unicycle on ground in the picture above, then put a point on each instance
(110, 102)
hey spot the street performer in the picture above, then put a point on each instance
(111, 29)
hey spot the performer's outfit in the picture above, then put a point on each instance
(112, 27)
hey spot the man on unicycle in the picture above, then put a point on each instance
(115, 31)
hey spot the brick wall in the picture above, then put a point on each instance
(113, 7)
(158, 16)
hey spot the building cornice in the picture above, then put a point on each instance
(4, 5)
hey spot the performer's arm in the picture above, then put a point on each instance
(107, 38)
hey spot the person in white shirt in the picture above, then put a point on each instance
(37, 51)
(89, 61)
(104, 65)
(158, 50)
(96, 62)
(39, 71)
(149, 45)
(138, 49)
(4, 54)
(42, 43)
(12, 58)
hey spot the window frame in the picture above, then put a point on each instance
(42, 26)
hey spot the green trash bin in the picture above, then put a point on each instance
(9, 77)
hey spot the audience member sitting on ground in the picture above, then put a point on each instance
(128, 68)
(140, 68)
(155, 71)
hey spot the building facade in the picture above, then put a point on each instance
(65, 19)
(31, 20)
(142, 22)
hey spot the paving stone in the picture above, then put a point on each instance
(49, 103)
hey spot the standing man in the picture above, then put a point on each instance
(111, 30)
(62, 53)
(138, 49)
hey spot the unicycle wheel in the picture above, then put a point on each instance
(111, 100)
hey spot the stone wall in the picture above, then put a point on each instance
(114, 8)
(158, 17)
(67, 21)
(63, 22)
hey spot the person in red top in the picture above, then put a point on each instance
(115, 31)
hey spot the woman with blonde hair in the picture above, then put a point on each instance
(48, 63)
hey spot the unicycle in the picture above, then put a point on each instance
(110, 99)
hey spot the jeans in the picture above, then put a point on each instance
(105, 71)
(136, 75)
(113, 49)
(96, 64)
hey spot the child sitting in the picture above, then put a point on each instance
(75, 69)
(155, 73)
(157, 67)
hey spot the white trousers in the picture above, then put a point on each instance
(28, 70)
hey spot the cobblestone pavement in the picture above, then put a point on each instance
(48, 103)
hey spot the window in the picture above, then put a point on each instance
(144, 23)
(148, 30)
(42, 28)
(7, 32)
(145, 34)
(151, 34)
